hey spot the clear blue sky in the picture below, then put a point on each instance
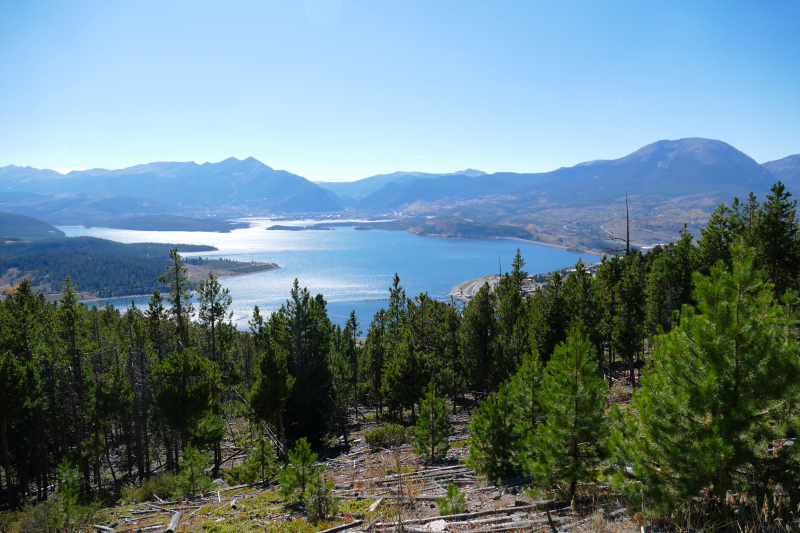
(343, 89)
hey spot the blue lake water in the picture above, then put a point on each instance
(347, 266)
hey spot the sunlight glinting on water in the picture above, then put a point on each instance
(347, 266)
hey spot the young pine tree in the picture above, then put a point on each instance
(297, 475)
(319, 499)
(713, 391)
(572, 440)
(453, 502)
(526, 386)
(495, 436)
(431, 432)
(192, 479)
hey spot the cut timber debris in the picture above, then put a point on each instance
(375, 504)
(343, 527)
(173, 523)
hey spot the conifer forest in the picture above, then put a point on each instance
(667, 380)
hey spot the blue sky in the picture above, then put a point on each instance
(343, 89)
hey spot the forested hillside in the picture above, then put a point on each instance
(669, 379)
(169, 223)
(97, 266)
(20, 227)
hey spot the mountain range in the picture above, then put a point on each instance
(691, 173)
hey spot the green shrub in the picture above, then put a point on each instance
(385, 436)
(454, 502)
(163, 485)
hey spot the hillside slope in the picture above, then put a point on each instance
(24, 228)
(665, 169)
(169, 223)
(787, 170)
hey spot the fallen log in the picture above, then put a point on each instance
(342, 527)
(172, 527)
(475, 514)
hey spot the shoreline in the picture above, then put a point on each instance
(529, 241)
(93, 299)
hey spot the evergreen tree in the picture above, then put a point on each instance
(431, 432)
(495, 436)
(608, 283)
(180, 294)
(185, 395)
(374, 358)
(669, 282)
(582, 303)
(549, 321)
(476, 339)
(713, 390)
(351, 328)
(628, 333)
(306, 337)
(261, 462)
(158, 325)
(297, 475)
(512, 325)
(527, 388)
(192, 479)
(214, 308)
(319, 499)
(777, 237)
(19, 380)
(517, 274)
(341, 376)
(68, 486)
(272, 388)
(716, 239)
(453, 502)
(571, 442)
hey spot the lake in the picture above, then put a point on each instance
(349, 267)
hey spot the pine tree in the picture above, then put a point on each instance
(68, 486)
(512, 325)
(453, 502)
(571, 442)
(19, 380)
(495, 436)
(307, 335)
(527, 387)
(192, 479)
(713, 389)
(777, 237)
(185, 395)
(262, 458)
(517, 274)
(431, 432)
(582, 303)
(180, 294)
(716, 239)
(374, 357)
(548, 316)
(214, 304)
(297, 475)
(477, 339)
(319, 499)
(272, 389)
(669, 283)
